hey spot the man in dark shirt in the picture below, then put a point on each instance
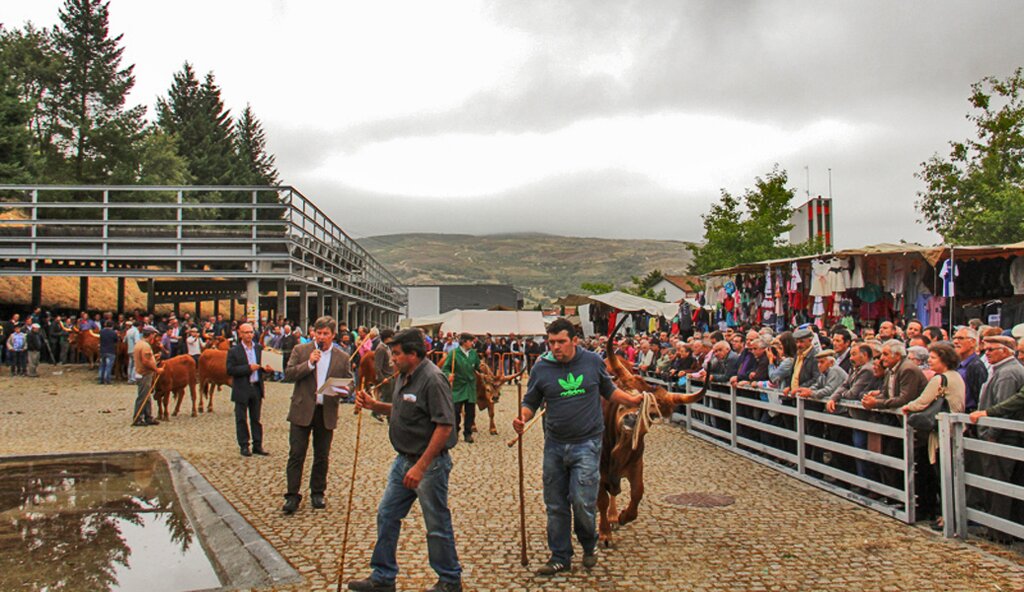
(108, 351)
(421, 432)
(971, 368)
(571, 382)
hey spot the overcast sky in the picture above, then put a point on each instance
(620, 119)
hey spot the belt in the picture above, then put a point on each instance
(416, 457)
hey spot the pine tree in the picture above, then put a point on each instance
(93, 127)
(251, 144)
(194, 113)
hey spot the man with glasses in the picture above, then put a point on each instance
(971, 368)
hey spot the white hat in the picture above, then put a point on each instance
(1018, 331)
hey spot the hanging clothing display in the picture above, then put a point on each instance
(948, 272)
(857, 273)
(1017, 275)
(794, 278)
(819, 278)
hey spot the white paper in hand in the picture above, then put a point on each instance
(336, 387)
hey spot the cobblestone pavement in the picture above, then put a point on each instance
(779, 535)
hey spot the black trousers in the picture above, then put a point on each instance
(247, 415)
(298, 444)
(470, 407)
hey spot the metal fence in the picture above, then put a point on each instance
(790, 435)
(980, 480)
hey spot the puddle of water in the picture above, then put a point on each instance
(110, 522)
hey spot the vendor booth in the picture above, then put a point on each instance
(940, 286)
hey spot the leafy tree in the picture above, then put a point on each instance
(92, 126)
(752, 229)
(15, 140)
(644, 287)
(976, 195)
(29, 58)
(251, 145)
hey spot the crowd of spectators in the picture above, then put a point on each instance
(874, 375)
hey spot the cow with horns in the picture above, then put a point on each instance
(622, 447)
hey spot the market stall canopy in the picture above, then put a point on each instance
(932, 254)
(480, 322)
(630, 303)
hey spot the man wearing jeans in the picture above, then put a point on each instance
(422, 417)
(570, 381)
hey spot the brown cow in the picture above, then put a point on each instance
(622, 448)
(121, 358)
(488, 391)
(213, 374)
(367, 372)
(219, 342)
(179, 372)
(85, 343)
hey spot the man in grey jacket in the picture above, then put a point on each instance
(1006, 378)
(830, 378)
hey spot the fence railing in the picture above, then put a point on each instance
(977, 475)
(798, 437)
(869, 458)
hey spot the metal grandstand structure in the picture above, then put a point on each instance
(195, 244)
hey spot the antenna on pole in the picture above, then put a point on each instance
(807, 169)
(830, 182)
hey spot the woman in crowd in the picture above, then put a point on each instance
(946, 382)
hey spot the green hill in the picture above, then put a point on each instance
(543, 267)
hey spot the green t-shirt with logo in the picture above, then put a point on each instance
(570, 392)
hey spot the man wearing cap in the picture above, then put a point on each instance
(830, 378)
(145, 371)
(460, 365)
(1006, 378)
(804, 371)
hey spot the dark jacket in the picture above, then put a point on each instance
(975, 374)
(723, 370)
(909, 384)
(238, 367)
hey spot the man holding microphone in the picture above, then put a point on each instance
(313, 413)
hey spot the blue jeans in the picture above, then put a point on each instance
(395, 505)
(572, 473)
(106, 366)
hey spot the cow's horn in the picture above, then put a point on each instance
(686, 399)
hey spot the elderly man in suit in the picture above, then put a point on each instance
(311, 412)
(243, 365)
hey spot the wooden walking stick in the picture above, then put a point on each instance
(351, 493)
(152, 387)
(526, 428)
(522, 490)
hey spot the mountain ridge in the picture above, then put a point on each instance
(542, 266)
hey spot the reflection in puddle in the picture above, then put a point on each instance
(110, 522)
